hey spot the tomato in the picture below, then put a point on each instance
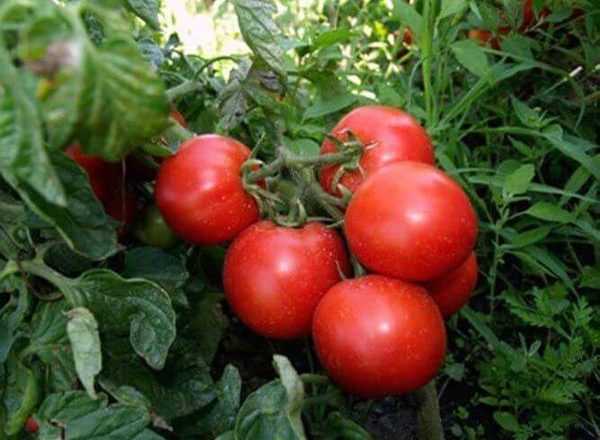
(31, 425)
(452, 290)
(102, 174)
(175, 114)
(485, 38)
(122, 206)
(152, 229)
(377, 336)
(411, 221)
(199, 190)
(275, 276)
(388, 134)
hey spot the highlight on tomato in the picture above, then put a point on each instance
(388, 135)
(274, 276)
(411, 221)
(377, 336)
(199, 190)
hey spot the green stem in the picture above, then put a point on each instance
(427, 31)
(429, 420)
(184, 88)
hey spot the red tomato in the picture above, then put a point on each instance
(199, 190)
(31, 425)
(275, 276)
(452, 290)
(388, 134)
(102, 174)
(411, 221)
(175, 114)
(377, 336)
(122, 206)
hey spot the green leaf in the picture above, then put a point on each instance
(506, 421)
(260, 32)
(550, 212)
(24, 161)
(219, 418)
(451, 7)
(590, 277)
(207, 322)
(518, 181)
(272, 411)
(331, 37)
(572, 147)
(518, 45)
(408, 16)
(336, 426)
(326, 107)
(83, 224)
(156, 265)
(529, 117)
(137, 305)
(19, 394)
(147, 10)
(471, 56)
(303, 147)
(82, 329)
(529, 237)
(83, 418)
(232, 101)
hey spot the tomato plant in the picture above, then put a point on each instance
(275, 276)
(411, 221)
(387, 134)
(377, 336)
(199, 190)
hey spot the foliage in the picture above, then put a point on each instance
(117, 340)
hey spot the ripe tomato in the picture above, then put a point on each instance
(199, 190)
(152, 229)
(388, 134)
(102, 174)
(122, 206)
(377, 336)
(31, 425)
(452, 290)
(275, 276)
(411, 221)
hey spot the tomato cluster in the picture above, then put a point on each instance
(410, 225)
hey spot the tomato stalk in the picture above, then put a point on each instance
(428, 413)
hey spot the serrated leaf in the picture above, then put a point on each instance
(82, 329)
(572, 147)
(518, 181)
(295, 391)
(260, 32)
(136, 305)
(550, 212)
(233, 103)
(155, 265)
(471, 56)
(147, 10)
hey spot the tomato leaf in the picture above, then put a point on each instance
(82, 224)
(147, 10)
(519, 180)
(471, 56)
(18, 395)
(260, 32)
(136, 305)
(82, 329)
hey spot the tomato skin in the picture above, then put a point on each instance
(410, 221)
(31, 425)
(389, 134)
(452, 290)
(199, 190)
(152, 229)
(122, 206)
(377, 336)
(275, 276)
(102, 174)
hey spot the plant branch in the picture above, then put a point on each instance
(429, 420)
